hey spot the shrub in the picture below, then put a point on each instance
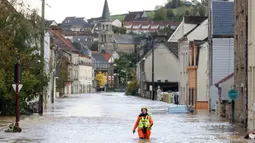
(132, 88)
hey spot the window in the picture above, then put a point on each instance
(184, 62)
(102, 38)
(75, 74)
(105, 38)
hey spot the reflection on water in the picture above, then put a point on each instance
(109, 119)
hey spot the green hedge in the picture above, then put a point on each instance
(132, 88)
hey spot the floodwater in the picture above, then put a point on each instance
(109, 118)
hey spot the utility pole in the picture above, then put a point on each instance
(42, 54)
(152, 70)
(126, 73)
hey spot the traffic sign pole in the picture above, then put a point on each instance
(17, 86)
(233, 94)
(17, 105)
(233, 111)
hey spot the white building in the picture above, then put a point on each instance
(85, 73)
(221, 57)
(191, 28)
(166, 69)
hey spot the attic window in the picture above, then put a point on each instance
(155, 27)
(145, 26)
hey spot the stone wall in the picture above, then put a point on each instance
(240, 60)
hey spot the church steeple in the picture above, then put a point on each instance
(106, 12)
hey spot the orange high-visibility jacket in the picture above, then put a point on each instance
(138, 120)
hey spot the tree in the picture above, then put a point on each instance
(166, 30)
(187, 12)
(94, 46)
(194, 10)
(62, 70)
(202, 11)
(176, 3)
(19, 37)
(119, 30)
(157, 7)
(170, 13)
(161, 14)
(101, 79)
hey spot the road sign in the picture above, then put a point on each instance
(232, 94)
(14, 87)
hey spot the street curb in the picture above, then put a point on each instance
(5, 127)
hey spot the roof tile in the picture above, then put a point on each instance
(223, 18)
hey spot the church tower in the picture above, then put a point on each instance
(105, 43)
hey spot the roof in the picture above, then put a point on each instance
(83, 49)
(224, 79)
(123, 39)
(78, 33)
(106, 12)
(194, 19)
(59, 35)
(107, 56)
(133, 16)
(188, 24)
(49, 22)
(173, 47)
(98, 57)
(223, 18)
(79, 21)
(62, 41)
(87, 25)
(200, 32)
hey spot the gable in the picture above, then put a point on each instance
(166, 60)
(54, 23)
(181, 30)
(144, 14)
(200, 33)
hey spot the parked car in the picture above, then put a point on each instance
(178, 109)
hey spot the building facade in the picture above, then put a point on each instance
(251, 65)
(197, 75)
(167, 79)
(106, 33)
(240, 57)
(221, 46)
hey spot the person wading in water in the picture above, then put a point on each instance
(144, 123)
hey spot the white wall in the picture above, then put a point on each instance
(47, 53)
(117, 23)
(203, 73)
(223, 58)
(166, 65)
(222, 63)
(183, 64)
(182, 29)
(225, 87)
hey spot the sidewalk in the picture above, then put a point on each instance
(5, 121)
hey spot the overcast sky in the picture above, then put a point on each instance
(59, 9)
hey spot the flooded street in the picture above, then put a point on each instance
(109, 118)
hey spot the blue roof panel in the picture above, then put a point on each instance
(223, 18)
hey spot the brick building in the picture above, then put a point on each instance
(240, 58)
